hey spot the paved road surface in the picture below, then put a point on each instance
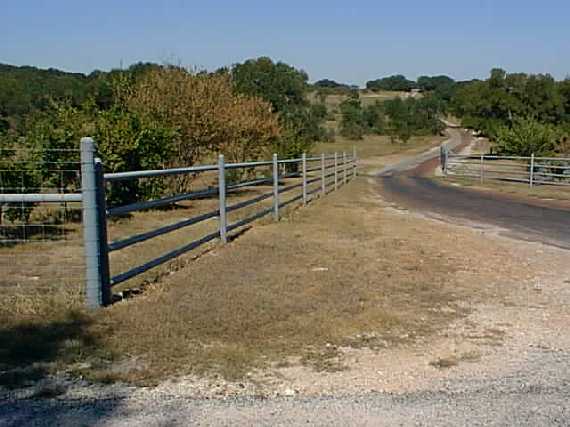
(530, 220)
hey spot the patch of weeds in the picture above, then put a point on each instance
(444, 362)
(328, 359)
(453, 360)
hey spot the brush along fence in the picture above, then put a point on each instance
(192, 206)
(530, 170)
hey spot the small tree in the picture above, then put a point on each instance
(526, 137)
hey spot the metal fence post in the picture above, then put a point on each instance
(446, 159)
(335, 172)
(354, 161)
(97, 288)
(222, 198)
(442, 157)
(275, 188)
(323, 175)
(304, 166)
(344, 171)
(482, 158)
(103, 244)
(531, 173)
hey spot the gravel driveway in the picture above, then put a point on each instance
(538, 395)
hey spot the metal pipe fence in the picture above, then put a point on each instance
(120, 243)
(41, 240)
(531, 170)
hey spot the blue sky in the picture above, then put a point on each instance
(350, 41)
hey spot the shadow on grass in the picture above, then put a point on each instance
(29, 351)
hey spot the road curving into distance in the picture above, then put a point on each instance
(408, 184)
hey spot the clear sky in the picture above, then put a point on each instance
(349, 41)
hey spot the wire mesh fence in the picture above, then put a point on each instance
(41, 249)
(72, 232)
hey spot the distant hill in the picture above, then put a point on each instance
(26, 88)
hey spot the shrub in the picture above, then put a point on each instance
(526, 137)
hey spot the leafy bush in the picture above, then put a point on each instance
(526, 137)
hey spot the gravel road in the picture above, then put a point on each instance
(538, 395)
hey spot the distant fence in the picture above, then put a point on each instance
(530, 170)
(271, 182)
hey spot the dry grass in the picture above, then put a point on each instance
(282, 291)
(374, 151)
(300, 288)
(556, 194)
(367, 98)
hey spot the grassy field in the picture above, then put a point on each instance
(367, 98)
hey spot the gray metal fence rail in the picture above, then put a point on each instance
(288, 181)
(531, 170)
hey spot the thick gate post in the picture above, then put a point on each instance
(482, 160)
(344, 170)
(335, 171)
(97, 286)
(275, 188)
(354, 161)
(222, 198)
(531, 173)
(323, 175)
(304, 166)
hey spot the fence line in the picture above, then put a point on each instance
(531, 170)
(281, 181)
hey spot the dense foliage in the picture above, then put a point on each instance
(396, 83)
(286, 89)
(153, 117)
(522, 113)
(331, 84)
(358, 120)
(399, 118)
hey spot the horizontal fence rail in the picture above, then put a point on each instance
(233, 196)
(531, 170)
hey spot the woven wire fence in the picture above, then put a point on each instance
(41, 246)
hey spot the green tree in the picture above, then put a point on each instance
(527, 136)
(285, 88)
(397, 82)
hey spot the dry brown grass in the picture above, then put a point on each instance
(279, 291)
(293, 289)
(547, 193)
(367, 97)
(374, 151)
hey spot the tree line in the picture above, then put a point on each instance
(521, 113)
(399, 118)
